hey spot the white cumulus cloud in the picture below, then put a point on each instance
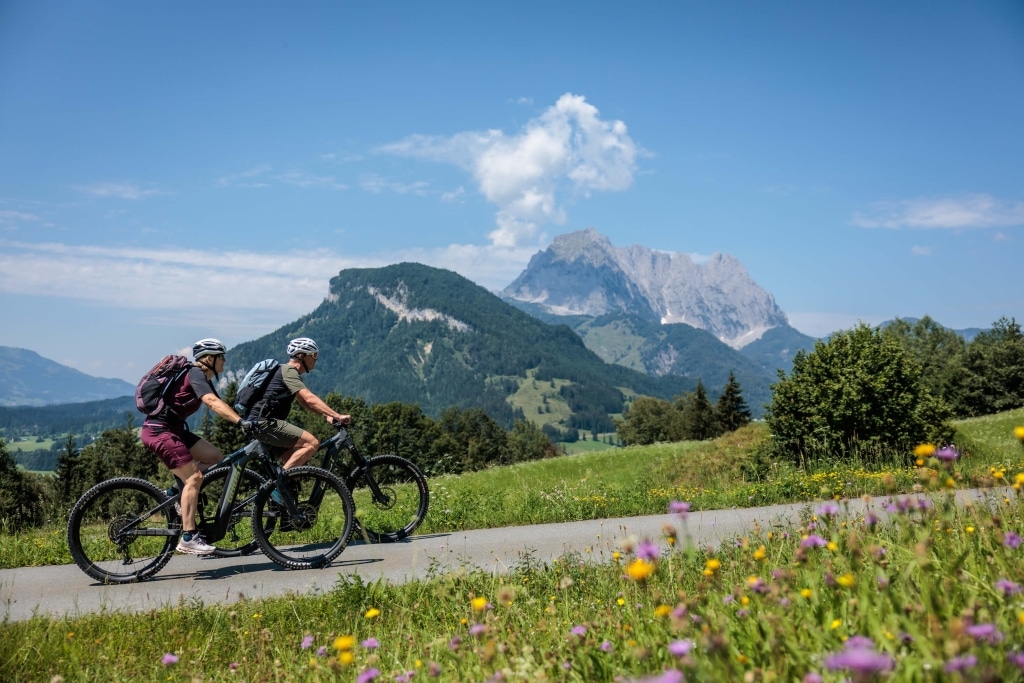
(568, 151)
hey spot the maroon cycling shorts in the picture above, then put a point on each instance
(170, 445)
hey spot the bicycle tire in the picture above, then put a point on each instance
(107, 509)
(408, 497)
(323, 533)
(238, 539)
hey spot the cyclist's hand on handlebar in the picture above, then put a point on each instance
(251, 427)
(343, 422)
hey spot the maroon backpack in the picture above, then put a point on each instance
(159, 383)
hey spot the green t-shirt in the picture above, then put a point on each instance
(280, 393)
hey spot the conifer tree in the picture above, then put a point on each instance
(698, 415)
(731, 409)
(67, 473)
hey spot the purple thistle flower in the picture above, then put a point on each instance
(813, 541)
(680, 508)
(454, 643)
(233, 666)
(368, 676)
(960, 663)
(1008, 587)
(985, 632)
(579, 631)
(829, 509)
(370, 643)
(169, 658)
(811, 677)
(477, 630)
(858, 641)
(871, 519)
(1011, 540)
(947, 454)
(680, 648)
(321, 651)
(433, 669)
(728, 599)
(860, 657)
(1016, 658)
(647, 550)
(743, 613)
(606, 646)
(405, 678)
(307, 642)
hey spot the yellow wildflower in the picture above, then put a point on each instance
(372, 613)
(925, 450)
(833, 546)
(760, 554)
(346, 657)
(344, 642)
(836, 623)
(662, 611)
(479, 604)
(846, 580)
(639, 569)
(970, 529)
(1019, 432)
(806, 593)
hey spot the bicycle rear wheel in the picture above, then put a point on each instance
(116, 534)
(321, 530)
(398, 505)
(238, 538)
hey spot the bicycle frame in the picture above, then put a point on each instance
(332, 450)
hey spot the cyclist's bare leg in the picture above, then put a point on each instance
(204, 454)
(301, 452)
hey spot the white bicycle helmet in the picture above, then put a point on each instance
(302, 345)
(208, 347)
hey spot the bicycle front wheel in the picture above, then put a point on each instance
(237, 538)
(319, 530)
(391, 498)
(118, 533)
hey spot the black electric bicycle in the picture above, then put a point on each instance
(389, 492)
(126, 529)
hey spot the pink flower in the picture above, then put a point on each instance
(680, 508)
(371, 643)
(368, 676)
(307, 642)
(680, 648)
(646, 550)
(169, 658)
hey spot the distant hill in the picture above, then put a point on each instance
(427, 336)
(28, 379)
(92, 417)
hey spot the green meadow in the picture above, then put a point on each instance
(923, 591)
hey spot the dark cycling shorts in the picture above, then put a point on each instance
(171, 445)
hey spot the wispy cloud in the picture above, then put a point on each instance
(377, 184)
(118, 191)
(921, 251)
(269, 285)
(252, 177)
(566, 151)
(303, 179)
(11, 219)
(974, 211)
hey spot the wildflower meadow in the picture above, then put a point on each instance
(917, 588)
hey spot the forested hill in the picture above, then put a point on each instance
(28, 379)
(423, 335)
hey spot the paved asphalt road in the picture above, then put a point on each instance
(66, 590)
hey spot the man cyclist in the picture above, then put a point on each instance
(284, 387)
(184, 453)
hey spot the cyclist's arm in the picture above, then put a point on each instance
(311, 401)
(221, 408)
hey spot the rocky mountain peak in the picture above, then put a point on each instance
(582, 273)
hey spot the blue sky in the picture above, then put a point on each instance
(177, 170)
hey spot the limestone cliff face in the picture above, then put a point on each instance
(582, 273)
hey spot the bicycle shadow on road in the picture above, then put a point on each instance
(227, 571)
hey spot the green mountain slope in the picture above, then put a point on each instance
(417, 334)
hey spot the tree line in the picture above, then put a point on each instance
(690, 417)
(460, 440)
